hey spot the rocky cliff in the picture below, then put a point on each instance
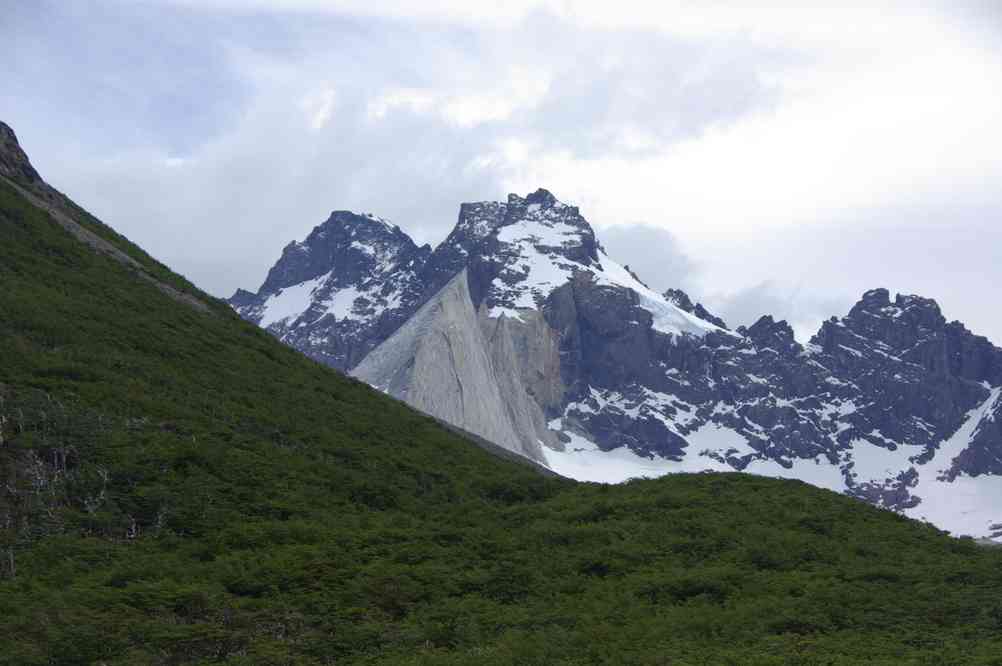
(441, 362)
(567, 349)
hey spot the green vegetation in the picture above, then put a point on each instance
(178, 488)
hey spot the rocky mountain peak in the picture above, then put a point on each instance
(919, 308)
(541, 196)
(874, 299)
(347, 224)
(341, 290)
(351, 245)
(907, 325)
(14, 162)
(767, 332)
(241, 298)
(681, 300)
(877, 303)
(509, 246)
(477, 220)
(550, 223)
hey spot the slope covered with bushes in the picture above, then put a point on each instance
(178, 487)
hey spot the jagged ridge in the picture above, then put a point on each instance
(638, 383)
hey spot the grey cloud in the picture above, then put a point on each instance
(654, 254)
(661, 261)
(100, 76)
(222, 93)
(101, 93)
(808, 273)
(804, 310)
(224, 217)
(744, 307)
(668, 87)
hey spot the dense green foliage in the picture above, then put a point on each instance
(177, 487)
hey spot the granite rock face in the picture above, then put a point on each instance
(440, 362)
(890, 403)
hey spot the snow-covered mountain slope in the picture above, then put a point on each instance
(890, 403)
(523, 250)
(336, 295)
(951, 496)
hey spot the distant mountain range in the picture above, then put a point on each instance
(520, 328)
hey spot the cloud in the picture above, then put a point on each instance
(653, 254)
(925, 132)
(809, 273)
(662, 262)
(783, 301)
(329, 117)
(765, 154)
(406, 99)
(521, 90)
(319, 106)
(871, 23)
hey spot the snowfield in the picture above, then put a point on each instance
(965, 506)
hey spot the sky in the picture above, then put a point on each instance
(767, 160)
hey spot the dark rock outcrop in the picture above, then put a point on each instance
(14, 163)
(682, 300)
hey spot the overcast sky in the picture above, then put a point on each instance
(765, 160)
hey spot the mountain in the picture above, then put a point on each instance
(890, 403)
(342, 291)
(179, 487)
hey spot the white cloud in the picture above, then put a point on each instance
(489, 101)
(887, 132)
(744, 131)
(319, 106)
(870, 23)
(414, 101)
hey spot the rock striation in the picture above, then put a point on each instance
(442, 363)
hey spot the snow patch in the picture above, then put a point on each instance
(290, 302)
(877, 463)
(667, 317)
(583, 460)
(818, 472)
(715, 438)
(967, 505)
(342, 302)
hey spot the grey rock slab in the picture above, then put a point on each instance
(439, 362)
